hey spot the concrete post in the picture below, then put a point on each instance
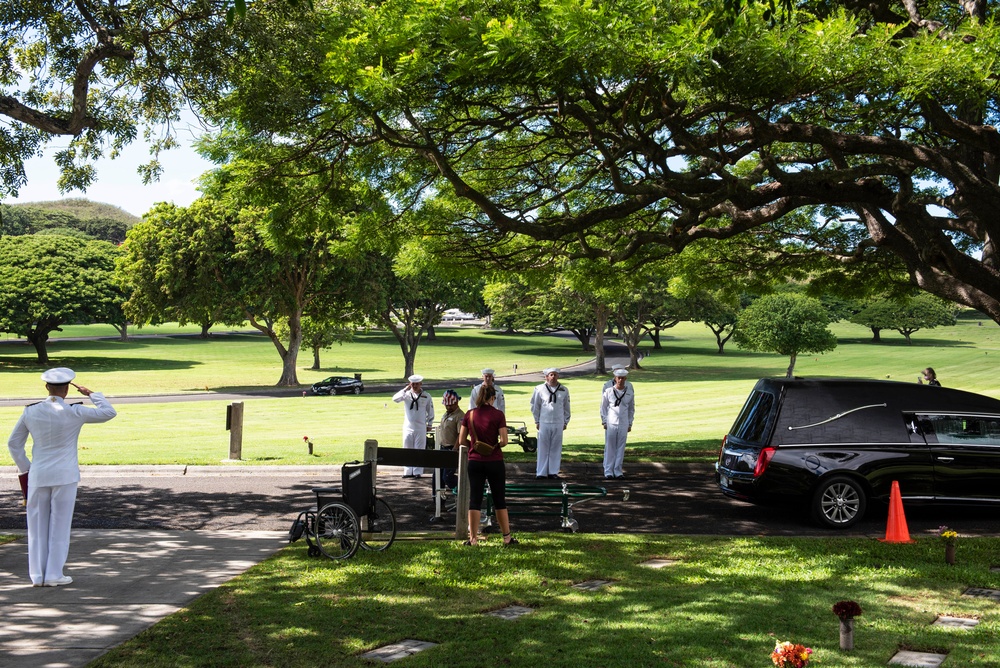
(462, 496)
(371, 455)
(236, 430)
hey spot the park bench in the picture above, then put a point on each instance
(555, 499)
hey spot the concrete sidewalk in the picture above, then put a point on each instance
(124, 581)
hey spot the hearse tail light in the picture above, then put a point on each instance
(723, 446)
(763, 459)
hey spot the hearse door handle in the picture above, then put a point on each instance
(946, 459)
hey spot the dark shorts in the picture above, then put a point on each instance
(495, 473)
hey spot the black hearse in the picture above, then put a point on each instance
(837, 444)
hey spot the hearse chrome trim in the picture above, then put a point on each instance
(837, 416)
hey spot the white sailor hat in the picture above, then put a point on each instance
(416, 378)
(615, 367)
(58, 376)
(551, 369)
(621, 373)
(491, 372)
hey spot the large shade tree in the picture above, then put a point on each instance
(787, 324)
(636, 129)
(97, 74)
(47, 281)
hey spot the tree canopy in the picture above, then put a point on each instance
(635, 129)
(47, 281)
(787, 324)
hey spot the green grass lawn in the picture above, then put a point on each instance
(724, 604)
(687, 394)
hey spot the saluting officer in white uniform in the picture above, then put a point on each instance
(53, 471)
(617, 414)
(550, 408)
(489, 376)
(418, 412)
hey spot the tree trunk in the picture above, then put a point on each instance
(122, 331)
(583, 336)
(315, 366)
(791, 365)
(290, 355)
(431, 334)
(205, 326)
(655, 336)
(876, 334)
(38, 339)
(601, 320)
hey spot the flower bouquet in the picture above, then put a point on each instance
(847, 611)
(950, 538)
(790, 655)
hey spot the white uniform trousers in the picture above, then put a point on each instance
(50, 518)
(414, 438)
(549, 452)
(614, 449)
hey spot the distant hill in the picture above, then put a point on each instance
(75, 217)
(83, 208)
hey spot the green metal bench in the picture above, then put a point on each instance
(554, 499)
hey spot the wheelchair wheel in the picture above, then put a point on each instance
(337, 531)
(381, 528)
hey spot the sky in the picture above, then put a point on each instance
(118, 182)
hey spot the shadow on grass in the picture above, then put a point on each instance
(917, 342)
(94, 364)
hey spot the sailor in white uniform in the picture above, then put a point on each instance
(550, 408)
(617, 414)
(53, 471)
(611, 381)
(488, 380)
(418, 412)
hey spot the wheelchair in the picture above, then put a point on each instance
(346, 518)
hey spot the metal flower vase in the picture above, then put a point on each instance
(847, 633)
(949, 554)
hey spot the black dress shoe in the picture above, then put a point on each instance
(553, 476)
(541, 477)
(609, 477)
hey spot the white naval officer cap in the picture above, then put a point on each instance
(58, 376)
(551, 369)
(416, 378)
(491, 372)
(621, 372)
(615, 367)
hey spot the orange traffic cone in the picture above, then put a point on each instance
(895, 530)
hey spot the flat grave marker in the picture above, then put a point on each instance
(917, 659)
(659, 563)
(963, 623)
(397, 651)
(511, 612)
(980, 592)
(591, 585)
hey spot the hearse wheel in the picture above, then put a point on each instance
(839, 502)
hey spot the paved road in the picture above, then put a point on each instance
(217, 498)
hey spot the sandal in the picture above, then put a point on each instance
(512, 541)
(470, 543)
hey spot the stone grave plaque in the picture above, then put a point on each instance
(591, 585)
(979, 592)
(659, 563)
(511, 612)
(917, 659)
(396, 651)
(963, 623)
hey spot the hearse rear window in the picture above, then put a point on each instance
(752, 423)
(963, 429)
